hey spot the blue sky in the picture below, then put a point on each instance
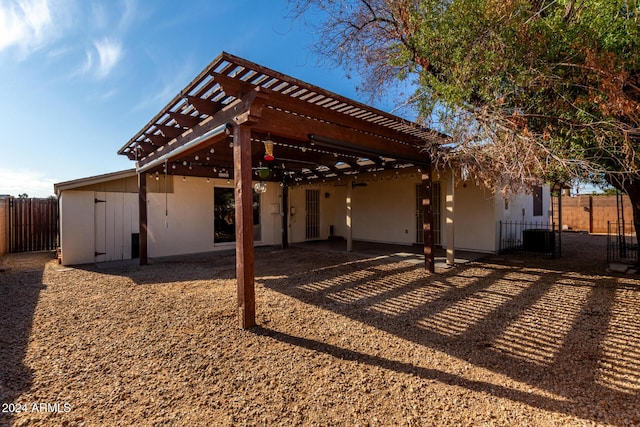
(78, 78)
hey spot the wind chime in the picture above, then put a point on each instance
(265, 172)
(268, 150)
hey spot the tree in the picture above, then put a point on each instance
(528, 89)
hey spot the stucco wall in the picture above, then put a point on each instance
(331, 204)
(520, 207)
(385, 211)
(181, 220)
(474, 217)
(187, 226)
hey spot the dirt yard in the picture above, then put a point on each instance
(342, 340)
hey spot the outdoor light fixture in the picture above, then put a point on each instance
(260, 187)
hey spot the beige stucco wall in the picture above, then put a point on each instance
(520, 207)
(187, 226)
(332, 210)
(385, 211)
(474, 218)
(180, 221)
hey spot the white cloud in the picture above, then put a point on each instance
(26, 24)
(35, 184)
(109, 54)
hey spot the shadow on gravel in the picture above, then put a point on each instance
(20, 286)
(544, 323)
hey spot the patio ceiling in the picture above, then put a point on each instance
(316, 134)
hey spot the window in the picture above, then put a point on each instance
(224, 218)
(537, 200)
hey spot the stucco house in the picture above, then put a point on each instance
(99, 216)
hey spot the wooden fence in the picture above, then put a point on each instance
(4, 226)
(32, 225)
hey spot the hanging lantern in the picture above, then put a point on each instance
(260, 187)
(268, 150)
(264, 173)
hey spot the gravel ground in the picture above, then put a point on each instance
(343, 340)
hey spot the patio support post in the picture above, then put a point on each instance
(285, 217)
(449, 218)
(244, 226)
(427, 215)
(142, 217)
(349, 218)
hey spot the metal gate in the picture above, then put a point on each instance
(312, 214)
(33, 224)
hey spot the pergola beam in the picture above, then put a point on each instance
(244, 226)
(298, 127)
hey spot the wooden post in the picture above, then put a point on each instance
(142, 216)
(349, 218)
(427, 215)
(244, 226)
(559, 254)
(285, 217)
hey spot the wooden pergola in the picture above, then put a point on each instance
(223, 123)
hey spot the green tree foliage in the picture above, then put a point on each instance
(528, 89)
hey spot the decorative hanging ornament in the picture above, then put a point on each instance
(268, 150)
(264, 173)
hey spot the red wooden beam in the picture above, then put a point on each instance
(204, 106)
(170, 131)
(244, 227)
(185, 120)
(427, 215)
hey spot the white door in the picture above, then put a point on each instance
(115, 222)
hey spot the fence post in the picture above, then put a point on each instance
(500, 237)
(608, 241)
(4, 226)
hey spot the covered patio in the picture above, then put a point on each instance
(244, 122)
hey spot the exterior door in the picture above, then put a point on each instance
(115, 223)
(312, 214)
